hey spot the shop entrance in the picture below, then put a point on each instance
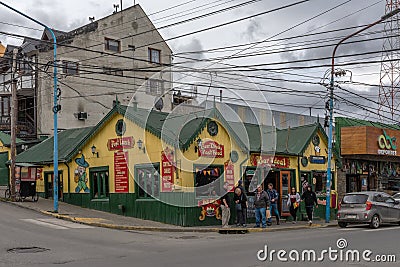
(281, 182)
(48, 185)
(353, 183)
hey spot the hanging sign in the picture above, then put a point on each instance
(211, 149)
(167, 170)
(125, 142)
(121, 172)
(230, 175)
(273, 162)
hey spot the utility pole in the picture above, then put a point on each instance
(14, 110)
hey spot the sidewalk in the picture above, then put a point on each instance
(108, 220)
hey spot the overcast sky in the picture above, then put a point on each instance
(306, 18)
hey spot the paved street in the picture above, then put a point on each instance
(72, 244)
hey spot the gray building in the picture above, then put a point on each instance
(121, 55)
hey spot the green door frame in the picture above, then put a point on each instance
(156, 166)
(46, 184)
(92, 171)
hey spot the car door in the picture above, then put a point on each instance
(381, 206)
(393, 210)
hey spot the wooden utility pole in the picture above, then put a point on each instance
(14, 110)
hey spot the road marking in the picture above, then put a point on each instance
(57, 224)
(348, 229)
(58, 227)
(66, 223)
(382, 229)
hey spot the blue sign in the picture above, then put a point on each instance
(317, 159)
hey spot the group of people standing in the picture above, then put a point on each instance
(266, 205)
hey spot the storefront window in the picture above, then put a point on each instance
(100, 187)
(206, 181)
(148, 181)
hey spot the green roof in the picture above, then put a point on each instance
(167, 126)
(6, 139)
(42, 153)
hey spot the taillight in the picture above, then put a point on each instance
(339, 205)
(368, 205)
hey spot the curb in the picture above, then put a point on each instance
(167, 229)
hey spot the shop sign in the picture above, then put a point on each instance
(273, 162)
(211, 149)
(125, 142)
(167, 170)
(121, 172)
(387, 144)
(230, 175)
(209, 208)
(317, 159)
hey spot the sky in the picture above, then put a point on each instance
(284, 35)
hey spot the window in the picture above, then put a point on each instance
(100, 185)
(148, 181)
(113, 45)
(206, 181)
(5, 106)
(154, 56)
(155, 87)
(70, 67)
(112, 71)
(355, 199)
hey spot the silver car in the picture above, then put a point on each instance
(396, 196)
(368, 207)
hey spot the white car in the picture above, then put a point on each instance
(396, 196)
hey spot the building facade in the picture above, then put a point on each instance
(122, 54)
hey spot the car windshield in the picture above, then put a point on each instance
(355, 199)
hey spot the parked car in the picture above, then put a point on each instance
(396, 196)
(373, 208)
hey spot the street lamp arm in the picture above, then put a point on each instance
(385, 17)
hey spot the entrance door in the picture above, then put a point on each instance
(284, 191)
(4, 171)
(48, 185)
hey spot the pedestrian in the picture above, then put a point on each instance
(293, 203)
(240, 200)
(261, 203)
(225, 202)
(309, 198)
(274, 198)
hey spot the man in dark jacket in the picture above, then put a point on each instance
(309, 198)
(274, 199)
(261, 202)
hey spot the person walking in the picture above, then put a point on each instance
(240, 200)
(293, 203)
(309, 198)
(274, 198)
(261, 203)
(226, 212)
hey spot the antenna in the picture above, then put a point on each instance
(390, 67)
(91, 19)
(116, 6)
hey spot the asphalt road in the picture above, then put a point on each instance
(70, 244)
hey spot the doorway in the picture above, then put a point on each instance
(281, 182)
(48, 185)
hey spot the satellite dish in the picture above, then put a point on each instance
(159, 104)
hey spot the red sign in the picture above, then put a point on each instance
(120, 143)
(276, 162)
(167, 170)
(121, 172)
(230, 175)
(211, 149)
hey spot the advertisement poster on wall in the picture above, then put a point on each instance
(121, 172)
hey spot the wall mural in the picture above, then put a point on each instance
(81, 175)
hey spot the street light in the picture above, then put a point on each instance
(55, 107)
(329, 173)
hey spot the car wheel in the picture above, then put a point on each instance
(375, 222)
(342, 224)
